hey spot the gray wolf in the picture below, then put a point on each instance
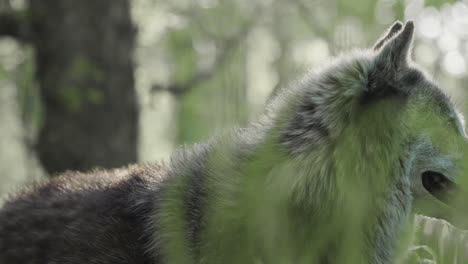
(328, 174)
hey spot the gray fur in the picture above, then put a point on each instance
(99, 217)
(394, 29)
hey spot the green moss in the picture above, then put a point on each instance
(71, 96)
(83, 68)
(81, 73)
(95, 96)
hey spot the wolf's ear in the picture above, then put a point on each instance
(395, 28)
(396, 49)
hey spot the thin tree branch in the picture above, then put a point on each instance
(16, 25)
(308, 17)
(227, 46)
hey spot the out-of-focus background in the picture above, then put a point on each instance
(105, 83)
(101, 83)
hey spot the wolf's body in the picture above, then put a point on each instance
(327, 175)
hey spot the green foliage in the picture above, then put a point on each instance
(181, 48)
(28, 94)
(364, 9)
(438, 3)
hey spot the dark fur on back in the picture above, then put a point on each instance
(98, 217)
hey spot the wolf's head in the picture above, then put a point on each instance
(437, 148)
(376, 107)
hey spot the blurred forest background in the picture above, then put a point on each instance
(105, 83)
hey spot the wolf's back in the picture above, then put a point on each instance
(100, 217)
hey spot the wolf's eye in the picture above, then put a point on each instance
(438, 185)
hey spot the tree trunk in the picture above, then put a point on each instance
(85, 73)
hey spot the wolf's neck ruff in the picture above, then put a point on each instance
(259, 202)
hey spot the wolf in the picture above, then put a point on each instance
(328, 174)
